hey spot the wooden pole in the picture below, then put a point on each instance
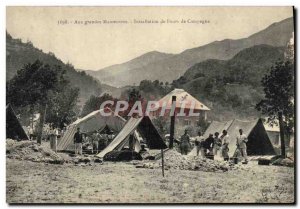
(281, 128)
(41, 123)
(171, 144)
(162, 163)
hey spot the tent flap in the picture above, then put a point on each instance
(145, 128)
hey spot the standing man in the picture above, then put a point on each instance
(185, 143)
(95, 142)
(208, 145)
(78, 142)
(241, 141)
(199, 144)
(217, 144)
(225, 142)
(53, 138)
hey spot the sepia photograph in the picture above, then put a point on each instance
(150, 105)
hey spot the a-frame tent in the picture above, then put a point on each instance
(258, 140)
(145, 129)
(14, 129)
(94, 121)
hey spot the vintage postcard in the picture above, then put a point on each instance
(145, 105)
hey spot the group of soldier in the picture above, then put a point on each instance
(95, 140)
(215, 144)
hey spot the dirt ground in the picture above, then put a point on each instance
(31, 182)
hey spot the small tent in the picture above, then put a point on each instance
(95, 121)
(258, 140)
(145, 129)
(14, 129)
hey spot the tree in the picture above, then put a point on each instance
(33, 85)
(62, 108)
(278, 103)
(94, 103)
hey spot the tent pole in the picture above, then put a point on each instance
(171, 143)
(162, 163)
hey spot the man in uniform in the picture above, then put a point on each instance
(217, 144)
(78, 139)
(208, 145)
(185, 143)
(95, 143)
(225, 142)
(199, 144)
(241, 141)
(53, 133)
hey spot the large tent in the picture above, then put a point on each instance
(258, 140)
(95, 121)
(145, 129)
(14, 129)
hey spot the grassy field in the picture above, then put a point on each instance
(29, 182)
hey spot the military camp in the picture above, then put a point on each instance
(150, 105)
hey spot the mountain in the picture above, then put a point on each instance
(167, 67)
(18, 54)
(237, 89)
(110, 75)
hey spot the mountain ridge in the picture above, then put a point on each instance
(172, 67)
(18, 54)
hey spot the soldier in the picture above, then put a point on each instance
(78, 139)
(241, 141)
(217, 144)
(95, 142)
(225, 142)
(185, 143)
(53, 133)
(199, 144)
(208, 145)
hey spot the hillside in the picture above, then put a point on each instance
(111, 73)
(167, 67)
(231, 88)
(18, 54)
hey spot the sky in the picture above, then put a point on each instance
(98, 45)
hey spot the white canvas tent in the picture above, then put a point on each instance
(258, 140)
(146, 130)
(92, 122)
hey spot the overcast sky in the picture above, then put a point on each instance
(100, 45)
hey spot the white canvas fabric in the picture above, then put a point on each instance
(92, 122)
